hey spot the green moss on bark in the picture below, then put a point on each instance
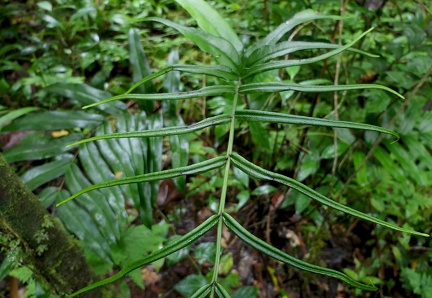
(46, 247)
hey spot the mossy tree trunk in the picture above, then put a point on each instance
(44, 244)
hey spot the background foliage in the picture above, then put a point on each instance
(59, 56)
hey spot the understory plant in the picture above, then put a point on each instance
(237, 78)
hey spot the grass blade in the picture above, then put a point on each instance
(279, 255)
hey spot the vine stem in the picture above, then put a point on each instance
(224, 191)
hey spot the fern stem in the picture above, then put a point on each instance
(224, 191)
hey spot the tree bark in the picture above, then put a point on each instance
(40, 239)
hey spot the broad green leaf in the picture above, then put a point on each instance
(6, 266)
(279, 87)
(287, 63)
(37, 176)
(45, 5)
(222, 50)
(218, 71)
(190, 284)
(203, 92)
(269, 52)
(210, 21)
(246, 291)
(257, 131)
(86, 95)
(56, 120)
(263, 190)
(140, 68)
(279, 255)
(260, 173)
(301, 201)
(241, 177)
(329, 151)
(176, 245)
(37, 146)
(205, 252)
(137, 242)
(263, 116)
(12, 115)
(362, 177)
(388, 164)
(309, 165)
(200, 167)
(160, 132)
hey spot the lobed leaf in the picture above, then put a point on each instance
(279, 255)
(260, 173)
(203, 92)
(280, 87)
(263, 116)
(200, 167)
(161, 132)
(172, 247)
